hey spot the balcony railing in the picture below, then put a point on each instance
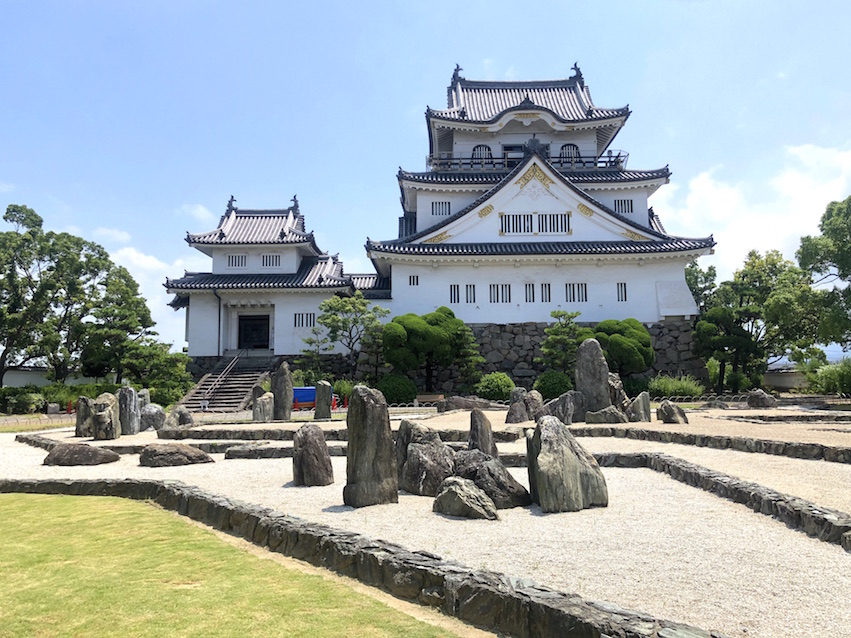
(611, 160)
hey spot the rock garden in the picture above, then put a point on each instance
(534, 518)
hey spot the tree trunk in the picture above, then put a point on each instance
(722, 369)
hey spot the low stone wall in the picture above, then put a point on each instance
(494, 601)
(340, 434)
(810, 451)
(831, 526)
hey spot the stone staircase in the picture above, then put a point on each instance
(228, 387)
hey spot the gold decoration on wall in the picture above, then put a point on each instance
(526, 116)
(487, 210)
(631, 235)
(535, 172)
(585, 210)
(438, 238)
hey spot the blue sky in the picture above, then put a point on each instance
(132, 122)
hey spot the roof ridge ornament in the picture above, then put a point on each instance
(577, 74)
(533, 145)
(456, 75)
(231, 206)
(527, 103)
(295, 203)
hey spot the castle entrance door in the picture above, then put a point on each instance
(254, 332)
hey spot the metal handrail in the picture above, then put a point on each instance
(613, 159)
(221, 378)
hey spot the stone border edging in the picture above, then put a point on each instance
(515, 607)
(340, 434)
(808, 451)
(825, 524)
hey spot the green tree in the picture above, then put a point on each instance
(49, 284)
(626, 344)
(122, 321)
(771, 298)
(436, 339)
(718, 334)
(150, 364)
(348, 320)
(558, 349)
(316, 345)
(828, 258)
(702, 285)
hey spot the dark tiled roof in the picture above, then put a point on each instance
(482, 101)
(372, 286)
(577, 177)
(672, 245)
(256, 227)
(315, 272)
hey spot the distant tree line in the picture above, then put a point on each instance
(65, 304)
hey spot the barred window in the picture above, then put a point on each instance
(237, 261)
(553, 223)
(515, 223)
(272, 260)
(622, 291)
(413, 280)
(530, 293)
(304, 320)
(440, 208)
(500, 293)
(454, 293)
(471, 293)
(623, 206)
(545, 293)
(576, 293)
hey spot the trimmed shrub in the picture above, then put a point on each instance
(834, 378)
(61, 393)
(343, 388)
(26, 403)
(397, 388)
(496, 386)
(552, 384)
(682, 386)
(633, 386)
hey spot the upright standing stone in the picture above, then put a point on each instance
(282, 388)
(179, 417)
(152, 417)
(263, 409)
(617, 394)
(324, 396)
(85, 413)
(371, 476)
(592, 375)
(257, 391)
(534, 405)
(563, 477)
(105, 422)
(311, 460)
(481, 434)
(639, 409)
(128, 410)
(144, 398)
(580, 406)
(561, 408)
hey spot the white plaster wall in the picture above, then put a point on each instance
(433, 290)
(638, 196)
(290, 259)
(457, 201)
(202, 324)
(516, 133)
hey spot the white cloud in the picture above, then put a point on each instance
(150, 273)
(6, 187)
(788, 205)
(112, 234)
(199, 212)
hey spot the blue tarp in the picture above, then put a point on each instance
(304, 396)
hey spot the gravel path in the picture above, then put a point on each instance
(660, 547)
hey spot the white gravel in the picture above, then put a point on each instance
(661, 547)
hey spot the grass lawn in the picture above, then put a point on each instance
(32, 426)
(97, 566)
